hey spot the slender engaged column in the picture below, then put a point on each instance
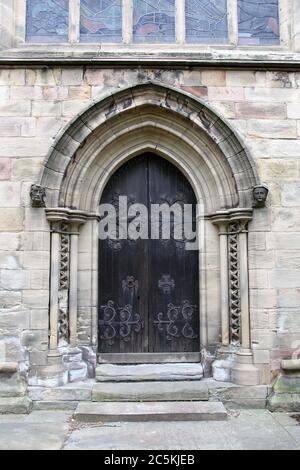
(73, 284)
(224, 283)
(76, 218)
(244, 371)
(55, 216)
(221, 220)
(54, 280)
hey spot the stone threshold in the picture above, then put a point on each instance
(149, 372)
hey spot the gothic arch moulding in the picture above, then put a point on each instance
(181, 128)
(152, 117)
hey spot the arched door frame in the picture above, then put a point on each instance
(182, 129)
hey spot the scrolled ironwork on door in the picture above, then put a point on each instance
(119, 323)
(166, 284)
(177, 321)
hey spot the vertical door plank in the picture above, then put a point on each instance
(173, 271)
(123, 271)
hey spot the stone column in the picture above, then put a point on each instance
(221, 220)
(224, 283)
(54, 281)
(244, 288)
(73, 284)
(54, 373)
(244, 372)
(55, 217)
(75, 220)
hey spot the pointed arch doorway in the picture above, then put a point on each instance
(148, 288)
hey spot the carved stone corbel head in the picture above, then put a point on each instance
(260, 194)
(37, 196)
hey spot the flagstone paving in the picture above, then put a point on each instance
(244, 429)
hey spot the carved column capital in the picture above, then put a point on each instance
(224, 218)
(68, 216)
(221, 220)
(56, 214)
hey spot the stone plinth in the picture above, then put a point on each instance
(286, 389)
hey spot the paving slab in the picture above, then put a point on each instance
(155, 436)
(294, 431)
(247, 429)
(150, 411)
(287, 419)
(37, 431)
(257, 429)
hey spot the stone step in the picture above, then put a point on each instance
(77, 371)
(148, 372)
(194, 390)
(15, 405)
(70, 392)
(150, 411)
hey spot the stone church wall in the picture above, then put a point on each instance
(263, 107)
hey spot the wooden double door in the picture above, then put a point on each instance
(148, 288)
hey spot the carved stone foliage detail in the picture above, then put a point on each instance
(177, 321)
(37, 196)
(63, 323)
(234, 288)
(118, 323)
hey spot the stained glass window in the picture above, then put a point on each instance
(154, 21)
(258, 22)
(101, 20)
(47, 20)
(206, 21)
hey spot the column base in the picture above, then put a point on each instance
(244, 371)
(53, 374)
(285, 395)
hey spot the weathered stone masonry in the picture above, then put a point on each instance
(37, 105)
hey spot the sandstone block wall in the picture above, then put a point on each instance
(263, 107)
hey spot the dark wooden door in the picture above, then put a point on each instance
(148, 288)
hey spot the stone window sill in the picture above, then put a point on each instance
(128, 55)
